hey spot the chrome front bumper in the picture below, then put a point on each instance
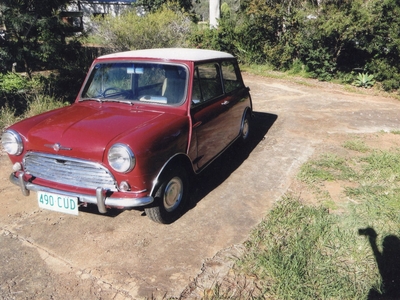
(100, 199)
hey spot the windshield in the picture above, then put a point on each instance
(149, 82)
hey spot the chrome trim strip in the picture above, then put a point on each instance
(108, 201)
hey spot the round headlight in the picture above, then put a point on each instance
(12, 142)
(121, 158)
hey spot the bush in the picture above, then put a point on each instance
(14, 90)
(11, 83)
(220, 39)
(167, 27)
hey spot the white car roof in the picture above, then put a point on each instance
(171, 54)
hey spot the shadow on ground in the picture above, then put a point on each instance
(388, 264)
(220, 169)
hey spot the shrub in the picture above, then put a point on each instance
(164, 28)
(13, 90)
(12, 83)
(364, 80)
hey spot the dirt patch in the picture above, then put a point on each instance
(126, 256)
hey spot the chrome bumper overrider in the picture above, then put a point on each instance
(101, 199)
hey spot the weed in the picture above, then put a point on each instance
(356, 145)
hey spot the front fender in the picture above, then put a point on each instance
(179, 159)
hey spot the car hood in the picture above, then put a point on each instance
(83, 130)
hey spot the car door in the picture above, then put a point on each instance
(209, 113)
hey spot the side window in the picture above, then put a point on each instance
(230, 73)
(206, 83)
(196, 91)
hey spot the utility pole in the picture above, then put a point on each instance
(215, 13)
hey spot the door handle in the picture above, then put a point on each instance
(197, 124)
(225, 102)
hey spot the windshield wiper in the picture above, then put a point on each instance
(91, 99)
(101, 100)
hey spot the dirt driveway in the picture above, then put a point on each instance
(47, 255)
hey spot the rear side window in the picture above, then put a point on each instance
(231, 74)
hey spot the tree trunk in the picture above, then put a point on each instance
(215, 13)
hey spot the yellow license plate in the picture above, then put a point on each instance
(60, 203)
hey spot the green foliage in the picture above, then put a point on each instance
(11, 83)
(386, 73)
(220, 38)
(364, 80)
(166, 27)
(14, 91)
(35, 33)
(327, 39)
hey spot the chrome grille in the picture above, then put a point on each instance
(70, 171)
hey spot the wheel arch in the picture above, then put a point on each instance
(176, 161)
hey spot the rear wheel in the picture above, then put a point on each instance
(170, 198)
(246, 127)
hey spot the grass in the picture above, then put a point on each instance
(7, 117)
(309, 251)
(356, 145)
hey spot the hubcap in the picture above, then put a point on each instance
(173, 194)
(245, 129)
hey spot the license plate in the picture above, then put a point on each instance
(60, 203)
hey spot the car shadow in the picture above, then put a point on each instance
(222, 167)
(92, 209)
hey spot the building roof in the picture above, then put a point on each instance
(109, 1)
(171, 54)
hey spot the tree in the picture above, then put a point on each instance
(35, 33)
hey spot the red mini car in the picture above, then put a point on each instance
(143, 123)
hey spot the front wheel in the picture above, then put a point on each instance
(170, 198)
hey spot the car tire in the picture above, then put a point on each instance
(170, 198)
(245, 128)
